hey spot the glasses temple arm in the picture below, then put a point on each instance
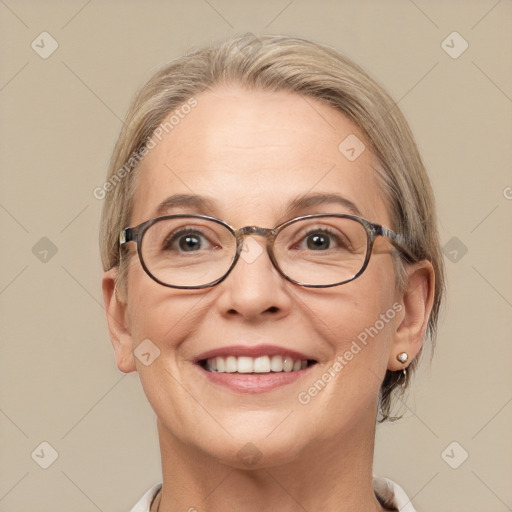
(126, 235)
(398, 241)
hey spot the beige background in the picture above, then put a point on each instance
(59, 119)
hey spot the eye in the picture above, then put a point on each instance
(329, 236)
(323, 239)
(186, 240)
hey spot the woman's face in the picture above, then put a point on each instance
(251, 154)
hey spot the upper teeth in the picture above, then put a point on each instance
(262, 364)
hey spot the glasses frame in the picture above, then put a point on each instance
(136, 234)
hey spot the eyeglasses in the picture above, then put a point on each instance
(198, 251)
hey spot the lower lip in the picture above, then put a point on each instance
(254, 382)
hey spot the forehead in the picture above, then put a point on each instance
(251, 152)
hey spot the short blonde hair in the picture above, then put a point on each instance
(282, 63)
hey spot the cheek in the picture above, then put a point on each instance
(168, 317)
(362, 305)
(155, 311)
(359, 329)
(360, 334)
(359, 322)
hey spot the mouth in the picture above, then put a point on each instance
(260, 365)
(255, 369)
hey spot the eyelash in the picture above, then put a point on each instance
(326, 231)
(181, 232)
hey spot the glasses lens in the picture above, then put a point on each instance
(322, 250)
(188, 251)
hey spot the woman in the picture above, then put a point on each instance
(272, 268)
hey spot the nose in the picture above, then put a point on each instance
(254, 289)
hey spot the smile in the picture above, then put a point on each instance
(254, 368)
(261, 364)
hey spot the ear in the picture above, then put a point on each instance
(417, 301)
(118, 325)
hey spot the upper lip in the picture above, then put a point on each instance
(252, 351)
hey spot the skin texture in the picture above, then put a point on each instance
(252, 152)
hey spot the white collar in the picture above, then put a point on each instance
(388, 491)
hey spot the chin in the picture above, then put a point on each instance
(250, 441)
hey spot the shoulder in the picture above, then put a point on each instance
(145, 502)
(391, 494)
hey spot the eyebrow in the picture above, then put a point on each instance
(207, 206)
(202, 204)
(308, 201)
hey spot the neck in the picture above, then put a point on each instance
(332, 475)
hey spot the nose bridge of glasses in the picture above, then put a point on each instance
(255, 230)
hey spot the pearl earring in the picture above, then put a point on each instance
(402, 357)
